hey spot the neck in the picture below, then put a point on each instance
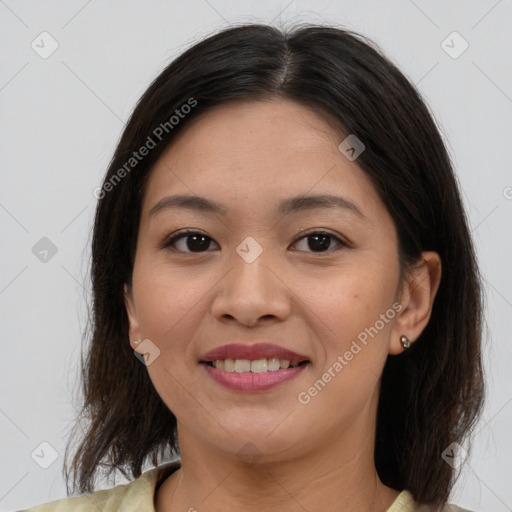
(330, 477)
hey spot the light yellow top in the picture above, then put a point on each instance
(138, 496)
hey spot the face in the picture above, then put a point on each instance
(319, 278)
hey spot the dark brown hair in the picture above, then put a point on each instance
(432, 394)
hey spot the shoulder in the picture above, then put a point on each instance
(134, 496)
(405, 503)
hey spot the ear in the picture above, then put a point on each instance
(416, 298)
(133, 319)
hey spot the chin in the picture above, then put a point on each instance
(254, 446)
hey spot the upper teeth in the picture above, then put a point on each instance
(256, 366)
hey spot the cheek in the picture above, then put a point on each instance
(352, 320)
(351, 301)
(356, 305)
(165, 296)
(169, 310)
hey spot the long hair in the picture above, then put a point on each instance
(432, 394)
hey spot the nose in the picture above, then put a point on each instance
(251, 293)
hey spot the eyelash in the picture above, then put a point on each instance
(318, 231)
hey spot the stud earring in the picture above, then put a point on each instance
(405, 341)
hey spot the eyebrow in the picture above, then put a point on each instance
(291, 205)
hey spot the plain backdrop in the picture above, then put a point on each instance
(62, 115)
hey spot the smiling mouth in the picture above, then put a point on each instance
(254, 366)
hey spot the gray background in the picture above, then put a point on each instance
(62, 116)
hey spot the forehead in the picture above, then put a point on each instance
(263, 129)
(261, 152)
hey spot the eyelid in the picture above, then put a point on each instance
(344, 241)
(171, 239)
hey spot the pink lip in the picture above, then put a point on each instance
(252, 352)
(252, 381)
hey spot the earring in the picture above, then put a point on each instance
(405, 341)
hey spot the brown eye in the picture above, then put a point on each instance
(197, 242)
(320, 241)
(190, 241)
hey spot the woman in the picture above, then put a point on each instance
(281, 242)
